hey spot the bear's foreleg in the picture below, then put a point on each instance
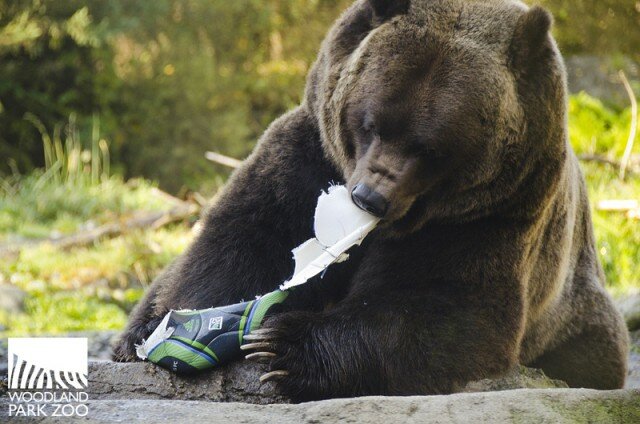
(393, 342)
(244, 248)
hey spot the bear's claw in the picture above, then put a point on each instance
(262, 339)
(273, 374)
(257, 345)
(260, 356)
(257, 336)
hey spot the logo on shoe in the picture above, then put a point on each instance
(189, 325)
(215, 323)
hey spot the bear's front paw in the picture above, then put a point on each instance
(286, 341)
(124, 349)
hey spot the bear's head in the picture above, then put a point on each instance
(441, 109)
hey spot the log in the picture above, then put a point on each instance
(152, 220)
(632, 165)
(223, 159)
(617, 205)
(238, 382)
(631, 207)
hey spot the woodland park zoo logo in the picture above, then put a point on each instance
(47, 377)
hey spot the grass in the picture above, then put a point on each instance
(90, 287)
(74, 191)
(94, 287)
(617, 237)
(600, 130)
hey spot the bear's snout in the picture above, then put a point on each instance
(383, 184)
(369, 200)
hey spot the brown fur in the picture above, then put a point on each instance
(455, 112)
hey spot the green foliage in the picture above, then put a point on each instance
(597, 129)
(617, 237)
(86, 287)
(602, 27)
(73, 191)
(90, 89)
(36, 206)
(47, 53)
(54, 312)
(133, 259)
(91, 287)
(169, 79)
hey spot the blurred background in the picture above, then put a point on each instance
(107, 108)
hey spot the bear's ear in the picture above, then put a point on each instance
(385, 9)
(530, 37)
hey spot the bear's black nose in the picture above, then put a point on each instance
(369, 200)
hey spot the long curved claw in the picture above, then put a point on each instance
(262, 331)
(260, 355)
(259, 345)
(273, 374)
(252, 336)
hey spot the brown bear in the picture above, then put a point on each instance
(446, 118)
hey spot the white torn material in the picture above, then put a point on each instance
(159, 335)
(339, 225)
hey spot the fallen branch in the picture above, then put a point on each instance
(223, 160)
(167, 197)
(616, 205)
(631, 207)
(152, 220)
(634, 125)
(599, 159)
(631, 169)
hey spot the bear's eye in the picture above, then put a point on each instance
(368, 127)
(427, 152)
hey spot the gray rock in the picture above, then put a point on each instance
(629, 307)
(598, 76)
(519, 378)
(238, 382)
(517, 406)
(633, 377)
(142, 392)
(99, 342)
(3, 359)
(11, 299)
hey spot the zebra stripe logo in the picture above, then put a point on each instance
(58, 363)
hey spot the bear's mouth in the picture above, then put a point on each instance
(410, 221)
